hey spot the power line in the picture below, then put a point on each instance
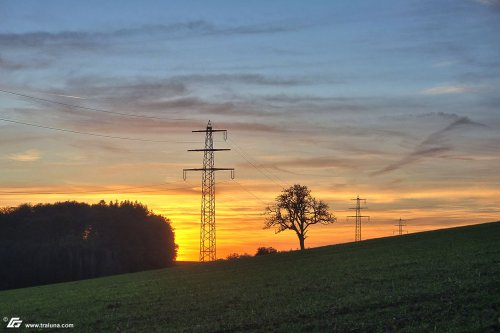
(238, 148)
(240, 152)
(88, 133)
(273, 178)
(250, 192)
(89, 108)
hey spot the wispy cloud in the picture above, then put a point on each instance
(139, 88)
(202, 27)
(344, 105)
(164, 97)
(432, 146)
(49, 40)
(6, 64)
(253, 127)
(445, 63)
(313, 162)
(446, 90)
(29, 155)
(174, 91)
(61, 95)
(92, 40)
(491, 3)
(11, 65)
(245, 78)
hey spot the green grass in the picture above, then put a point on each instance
(440, 281)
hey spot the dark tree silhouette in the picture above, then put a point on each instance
(296, 210)
(234, 256)
(261, 251)
(66, 241)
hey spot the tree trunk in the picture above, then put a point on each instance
(301, 240)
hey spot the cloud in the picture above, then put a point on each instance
(36, 40)
(107, 147)
(244, 78)
(491, 3)
(435, 137)
(445, 90)
(29, 155)
(414, 157)
(344, 106)
(319, 162)
(432, 146)
(315, 162)
(428, 116)
(171, 97)
(445, 63)
(253, 127)
(170, 92)
(198, 106)
(141, 88)
(202, 27)
(6, 64)
(61, 95)
(93, 40)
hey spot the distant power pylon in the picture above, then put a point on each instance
(207, 231)
(358, 217)
(400, 226)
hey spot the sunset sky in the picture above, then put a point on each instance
(395, 101)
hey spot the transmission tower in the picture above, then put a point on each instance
(400, 226)
(358, 217)
(207, 230)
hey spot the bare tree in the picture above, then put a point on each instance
(296, 210)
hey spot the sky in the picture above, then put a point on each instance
(395, 101)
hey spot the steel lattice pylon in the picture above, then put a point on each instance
(207, 228)
(400, 226)
(358, 217)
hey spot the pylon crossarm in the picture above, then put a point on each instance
(212, 131)
(210, 169)
(211, 149)
(209, 130)
(184, 172)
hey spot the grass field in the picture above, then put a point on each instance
(439, 281)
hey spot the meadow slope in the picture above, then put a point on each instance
(439, 281)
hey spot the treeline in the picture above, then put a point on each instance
(261, 251)
(66, 241)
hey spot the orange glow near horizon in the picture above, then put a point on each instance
(381, 107)
(240, 216)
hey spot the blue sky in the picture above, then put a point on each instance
(396, 100)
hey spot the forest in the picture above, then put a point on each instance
(66, 241)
